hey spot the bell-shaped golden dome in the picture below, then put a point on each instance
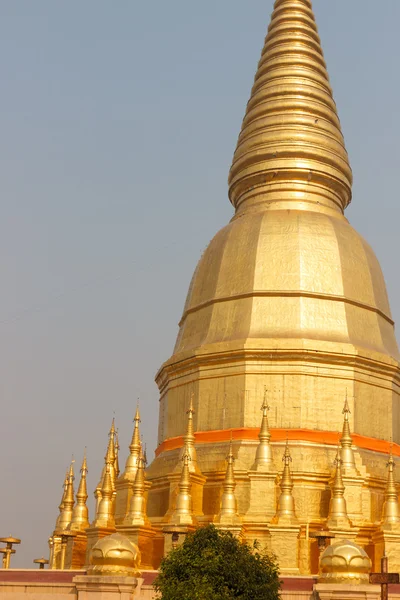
(345, 562)
(115, 555)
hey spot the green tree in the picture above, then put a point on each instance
(214, 565)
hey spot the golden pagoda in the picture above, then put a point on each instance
(287, 298)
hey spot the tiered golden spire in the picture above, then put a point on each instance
(264, 451)
(337, 516)
(228, 514)
(346, 441)
(108, 459)
(105, 511)
(80, 514)
(390, 510)
(134, 448)
(68, 501)
(183, 513)
(286, 507)
(61, 505)
(189, 440)
(137, 509)
(291, 147)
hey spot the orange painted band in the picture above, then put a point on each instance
(278, 435)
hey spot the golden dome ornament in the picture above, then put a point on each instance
(345, 562)
(115, 556)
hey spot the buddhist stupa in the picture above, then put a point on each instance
(287, 296)
(286, 322)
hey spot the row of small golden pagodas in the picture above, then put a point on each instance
(121, 506)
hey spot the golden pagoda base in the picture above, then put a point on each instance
(94, 534)
(197, 486)
(55, 552)
(235, 530)
(387, 541)
(90, 587)
(353, 494)
(124, 489)
(343, 591)
(285, 546)
(307, 550)
(257, 532)
(262, 496)
(228, 522)
(143, 536)
(75, 557)
(342, 532)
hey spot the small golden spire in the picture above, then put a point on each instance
(346, 441)
(189, 439)
(228, 512)
(286, 507)
(111, 443)
(137, 509)
(61, 505)
(134, 448)
(80, 514)
(390, 510)
(291, 151)
(264, 452)
(183, 513)
(109, 458)
(105, 514)
(68, 504)
(337, 516)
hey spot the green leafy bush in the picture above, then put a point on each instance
(214, 565)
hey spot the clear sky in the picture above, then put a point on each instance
(118, 121)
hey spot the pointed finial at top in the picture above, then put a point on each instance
(230, 453)
(84, 469)
(189, 438)
(287, 458)
(111, 444)
(134, 448)
(390, 463)
(191, 410)
(137, 414)
(265, 405)
(291, 150)
(346, 409)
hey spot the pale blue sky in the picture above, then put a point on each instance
(118, 122)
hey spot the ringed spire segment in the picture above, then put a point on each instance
(291, 151)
